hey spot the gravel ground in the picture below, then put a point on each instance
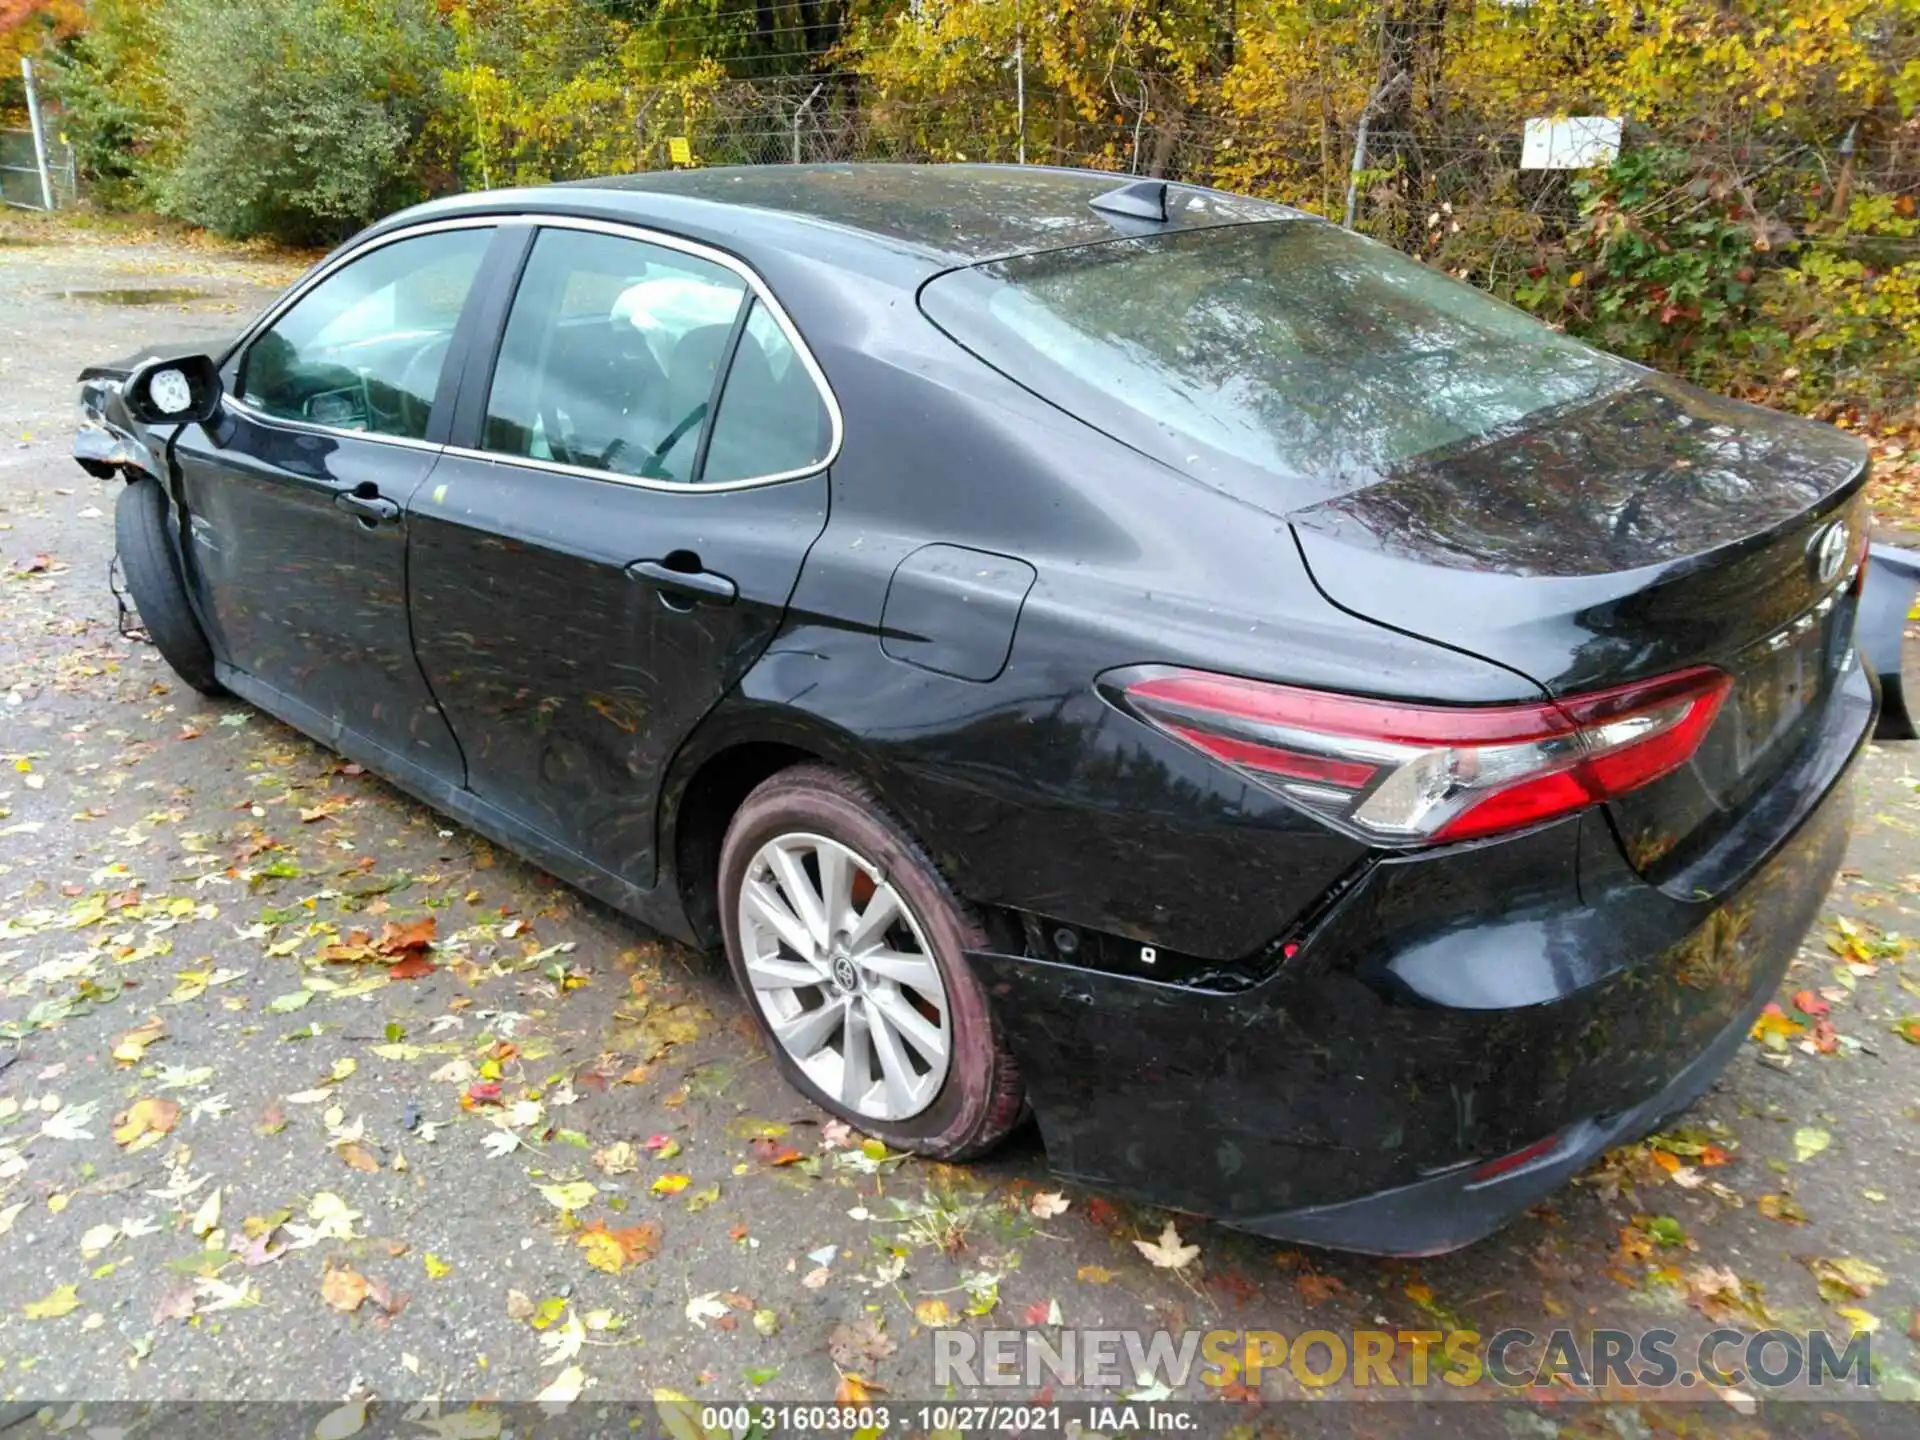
(231, 1167)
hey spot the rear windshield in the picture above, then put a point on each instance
(1290, 348)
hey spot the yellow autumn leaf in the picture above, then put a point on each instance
(603, 1251)
(933, 1312)
(671, 1184)
(1862, 1321)
(63, 1301)
(131, 1048)
(147, 1119)
(437, 1269)
(575, 1196)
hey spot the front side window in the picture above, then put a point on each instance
(611, 356)
(363, 350)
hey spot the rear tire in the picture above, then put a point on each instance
(153, 578)
(905, 990)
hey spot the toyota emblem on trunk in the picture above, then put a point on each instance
(1827, 552)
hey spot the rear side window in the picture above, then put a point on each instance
(611, 355)
(771, 419)
(1291, 347)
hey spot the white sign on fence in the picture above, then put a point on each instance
(1573, 142)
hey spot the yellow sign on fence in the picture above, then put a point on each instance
(679, 150)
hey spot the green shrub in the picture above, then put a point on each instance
(1660, 268)
(297, 118)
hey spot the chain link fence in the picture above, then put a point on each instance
(20, 175)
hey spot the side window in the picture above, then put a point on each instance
(364, 348)
(610, 355)
(772, 420)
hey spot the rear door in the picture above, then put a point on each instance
(638, 470)
(295, 493)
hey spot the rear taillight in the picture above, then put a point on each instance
(1425, 774)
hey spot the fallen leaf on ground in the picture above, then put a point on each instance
(1808, 1003)
(619, 1158)
(574, 1196)
(131, 1048)
(613, 1250)
(358, 1157)
(1844, 1278)
(207, 1216)
(350, 1419)
(1047, 1204)
(933, 1312)
(1783, 1208)
(1168, 1253)
(413, 935)
(566, 1387)
(1864, 1322)
(857, 1341)
(437, 1269)
(855, 1390)
(63, 1301)
(772, 1152)
(175, 1303)
(1773, 1027)
(670, 1184)
(344, 1288)
(1317, 1287)
(1044, 1312)
(1809, 1141)
(155, 1116)
(1720, 1295)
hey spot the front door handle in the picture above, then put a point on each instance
(367, 503)
(684, 582)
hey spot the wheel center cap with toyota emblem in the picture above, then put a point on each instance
(1827, 552)
(844, 975)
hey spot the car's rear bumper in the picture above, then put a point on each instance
(1449, 1010)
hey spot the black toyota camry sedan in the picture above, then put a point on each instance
(1336, 752)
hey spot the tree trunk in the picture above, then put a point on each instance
(1413, 46)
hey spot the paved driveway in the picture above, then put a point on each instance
(260, 1138)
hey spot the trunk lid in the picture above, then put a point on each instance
(1651, 529)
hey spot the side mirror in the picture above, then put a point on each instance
(177, 390)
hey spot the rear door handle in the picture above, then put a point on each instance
(369, 507)
(685, 584)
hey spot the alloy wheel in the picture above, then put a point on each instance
(840, 968)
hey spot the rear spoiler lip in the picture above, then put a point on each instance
(1893, 579)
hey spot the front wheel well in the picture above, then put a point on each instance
(706, 808)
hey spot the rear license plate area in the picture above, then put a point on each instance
(1778, 681)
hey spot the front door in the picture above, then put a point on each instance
(296, 495)
(613, 542)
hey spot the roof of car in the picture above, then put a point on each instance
(947, 214)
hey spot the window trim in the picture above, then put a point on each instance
(304, 287)
(757, 291)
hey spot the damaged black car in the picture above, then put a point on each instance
(1336, 752)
